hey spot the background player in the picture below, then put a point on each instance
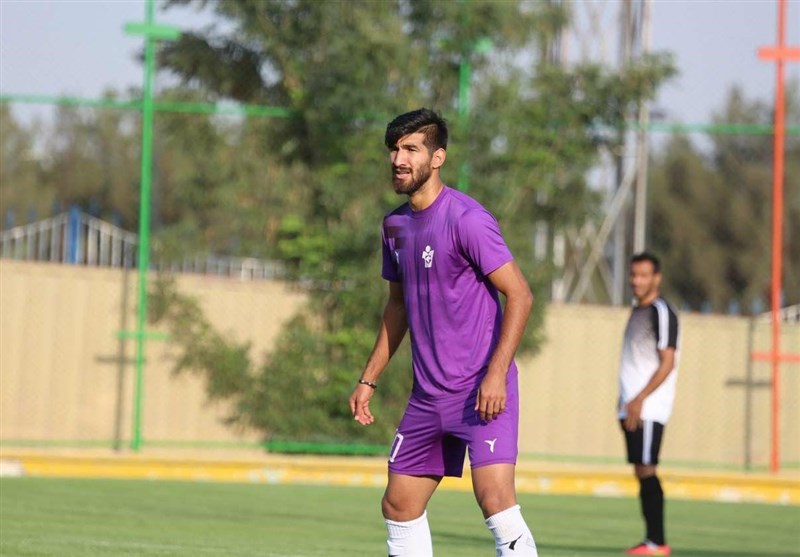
(647, 377)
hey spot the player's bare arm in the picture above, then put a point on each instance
(510, 282)
(634, 407)
(392, 330)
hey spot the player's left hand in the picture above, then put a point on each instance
(491, 399)
(633, 418)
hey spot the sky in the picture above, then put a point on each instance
(79, 48)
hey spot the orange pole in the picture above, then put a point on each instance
(777, 241)
(780, 54)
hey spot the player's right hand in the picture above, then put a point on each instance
(359, 404)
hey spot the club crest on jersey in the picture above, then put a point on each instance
(427, 256)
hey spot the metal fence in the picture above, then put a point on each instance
(73, 237)
(77, 238)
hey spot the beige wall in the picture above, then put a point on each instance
(570, 389)
(62, 378)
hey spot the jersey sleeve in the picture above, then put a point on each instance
(389, 270)
(665, 324)
(481, 242)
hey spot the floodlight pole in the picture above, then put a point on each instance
(642, 149)
(780, 54)
(464, 78)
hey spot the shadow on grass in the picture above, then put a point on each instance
(546, 549)
(455, 540)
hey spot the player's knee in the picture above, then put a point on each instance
(493, 502)
(394, 509)
(387, 508)
(644, 471)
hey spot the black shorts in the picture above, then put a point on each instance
(643, 444)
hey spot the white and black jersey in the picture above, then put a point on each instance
(650, 328)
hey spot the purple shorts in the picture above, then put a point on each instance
(435, 434)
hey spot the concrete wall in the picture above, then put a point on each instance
(65, 376)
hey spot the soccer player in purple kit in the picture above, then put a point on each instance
(446, 260)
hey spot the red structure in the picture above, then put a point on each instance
(780, 54)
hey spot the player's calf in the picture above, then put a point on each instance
(512, 537)
(411, 538)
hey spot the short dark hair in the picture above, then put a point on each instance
(647, 256)
(422, 120)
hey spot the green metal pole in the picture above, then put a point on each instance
(144, 225)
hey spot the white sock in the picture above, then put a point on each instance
(410, 539)
(512, 538)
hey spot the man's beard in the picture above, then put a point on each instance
(400, 188)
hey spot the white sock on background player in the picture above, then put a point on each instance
(512, 537)
(410, 539)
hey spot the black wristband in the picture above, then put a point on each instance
(368, 384)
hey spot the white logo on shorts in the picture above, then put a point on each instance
(491, 443)
(398, 440)
(427, 256)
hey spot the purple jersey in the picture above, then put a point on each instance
(442, 256)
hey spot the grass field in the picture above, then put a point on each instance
(91, 518)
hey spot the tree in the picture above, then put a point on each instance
(85, 157)
(344, 69)
(711, 213)
(20, 171)
(92, 161)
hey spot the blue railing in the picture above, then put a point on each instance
(77, 238)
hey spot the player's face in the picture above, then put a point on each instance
(411, 164)
(644, 281)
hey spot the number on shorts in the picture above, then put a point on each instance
(398, 440)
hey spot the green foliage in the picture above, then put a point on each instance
(310, 189)
(300, 390)
(88, 158)
(18, 167)
(224, 362)
(710, 213)
(533, 132)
